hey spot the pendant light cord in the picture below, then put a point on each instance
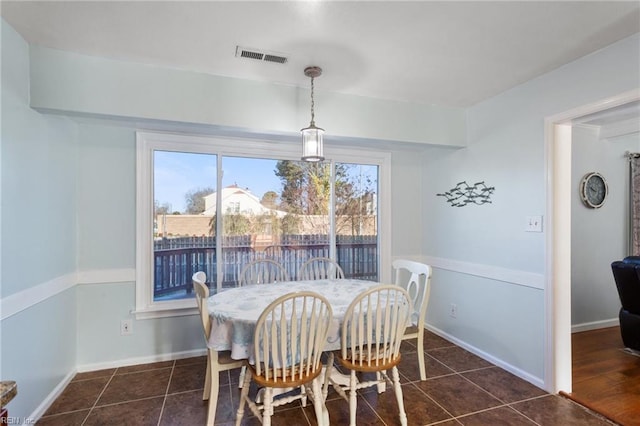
(312, 105)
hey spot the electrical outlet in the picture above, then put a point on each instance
(453, 311)
(126, 327)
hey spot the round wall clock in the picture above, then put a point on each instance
(593, 190)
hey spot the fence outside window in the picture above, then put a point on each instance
(177, 259)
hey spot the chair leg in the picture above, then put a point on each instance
(353, 402)
(327, 377)
(267, 408)
(207, 380)
(243, 372)
(243, 398)
(423, 371)
(398, 391)
(303, 400)
(382, 384)
(214, 387)
(322, 415)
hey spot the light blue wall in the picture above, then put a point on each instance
(39, 350)
(506, 150)
(39, 159)
(80, 84)
(106, 197)
(100, 309)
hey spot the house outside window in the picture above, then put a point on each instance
(271, 205)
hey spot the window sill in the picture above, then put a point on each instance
(158, 311)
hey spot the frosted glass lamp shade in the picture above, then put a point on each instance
(312, 143)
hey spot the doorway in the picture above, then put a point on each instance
(558, 239)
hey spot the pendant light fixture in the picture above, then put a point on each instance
(312, 135)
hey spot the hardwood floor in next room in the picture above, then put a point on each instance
(606, 378)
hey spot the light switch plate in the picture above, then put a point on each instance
(533, 224)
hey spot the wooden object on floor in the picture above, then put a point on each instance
(606, 379)
(8, 390)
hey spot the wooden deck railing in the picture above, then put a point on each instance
(176, 262)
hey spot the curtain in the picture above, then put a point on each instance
(634, 205)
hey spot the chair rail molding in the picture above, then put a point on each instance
(512, 276)
(24, 299)
(18, 302)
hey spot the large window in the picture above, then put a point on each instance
(214, 205)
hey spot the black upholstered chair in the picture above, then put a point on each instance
(627, 276)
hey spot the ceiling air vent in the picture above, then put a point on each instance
(243, 52)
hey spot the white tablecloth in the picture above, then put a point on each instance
(234, 312)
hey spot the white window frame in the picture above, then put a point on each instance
(148, 142)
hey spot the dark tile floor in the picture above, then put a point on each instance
(461, 389)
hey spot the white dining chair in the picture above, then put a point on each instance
(415, 278)
(321, 268)
(371, 335)
(289, 338)
(216, 361)
(262, 271)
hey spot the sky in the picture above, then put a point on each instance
(177, 173)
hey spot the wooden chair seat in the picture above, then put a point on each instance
(289, 378)
(372, 364)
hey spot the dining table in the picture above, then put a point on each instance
(234, 312)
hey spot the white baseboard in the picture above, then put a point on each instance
(55, 393)
(536, 381)
(595, 325)
(140, 360)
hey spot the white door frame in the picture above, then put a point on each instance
(557, 135)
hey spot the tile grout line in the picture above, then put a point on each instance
(453, 373)
(504, 403)
(370, 406)
(432, 400)
(456, 373)
(484, 410)
(166, 392)
(99, 396)
(523, 415)
(481, 388)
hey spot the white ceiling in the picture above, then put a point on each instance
(442, 53)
